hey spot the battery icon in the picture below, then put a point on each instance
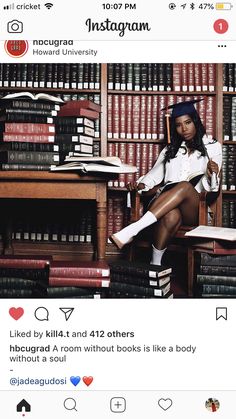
(224, 6)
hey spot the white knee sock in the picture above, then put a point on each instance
(157, 255)
(133, 229)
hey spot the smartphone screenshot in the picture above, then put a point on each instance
(118, 209)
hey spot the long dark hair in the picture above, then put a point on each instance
(195, 144)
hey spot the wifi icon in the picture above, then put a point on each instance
(48, 5)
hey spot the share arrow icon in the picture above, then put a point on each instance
(67, 311)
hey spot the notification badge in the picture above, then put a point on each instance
(221, 26)
(16, 49)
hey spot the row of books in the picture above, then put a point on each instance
(117, 214)
(39, 126)
(229, 118)
(162, 77)
(217, 276)
(229, 77)
(229, 167)
(51, 75)
(142, 116)
(141, 155)
(58, 224)
(229, 213)
(44, 278)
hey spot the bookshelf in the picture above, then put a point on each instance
(109, 89)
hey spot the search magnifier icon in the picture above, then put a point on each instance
(70, 404)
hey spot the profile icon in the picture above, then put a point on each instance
(212, 404)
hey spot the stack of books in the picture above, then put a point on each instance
(75, 128)
(23, 277)
(69, 279)
(139, 280)
(27, 131)
(217, 277)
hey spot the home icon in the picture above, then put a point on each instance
(23, 406)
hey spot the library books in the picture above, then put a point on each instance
(162, 77)
(79, 282)
(25, 277)
(229, 167)
(51, 75)
(142, 270)
(142, 116)
(217, 275)
(79, 269)
(75, 292)
(139, 280)
(81, 104)
(220, 233)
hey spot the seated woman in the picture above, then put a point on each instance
(185, 167)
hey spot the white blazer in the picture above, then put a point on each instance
(183, 166)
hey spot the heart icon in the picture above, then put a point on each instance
(16, 313)
(88, 380)
(75, 380)
(165, 404)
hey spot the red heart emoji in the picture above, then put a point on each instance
(16, 313)
(88, 380)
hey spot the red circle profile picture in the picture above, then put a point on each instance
(16, 49)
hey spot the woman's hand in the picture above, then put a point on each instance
(134, 186)
(212, 167)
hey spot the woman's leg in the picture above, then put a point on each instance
(182, 196)
(168, 225)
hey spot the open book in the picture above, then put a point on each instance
(29, 95)
(220, 233)
(95, 164)
(108, 161)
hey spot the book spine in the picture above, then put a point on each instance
(21, 166)
(30, 146)
(32, 138)
(29, 128)
(224, 260)
(24, 157)
(79, 282)
(78, 272)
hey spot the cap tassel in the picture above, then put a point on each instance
(167, 116)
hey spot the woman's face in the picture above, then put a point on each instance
(185, 127)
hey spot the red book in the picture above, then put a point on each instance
(204, 77)
(143, 117)
(70, 269)
(122, 109)
(128, 117)
(197, 75)
(21, 262)
(116, 116)
(154, 119)
(190, 77)
(109, 117)
(211, 76)
(29, 138)
(78, 112)
(28, 128)
(177, 77)
(123, 156)
(136, 111)
(85, 104)
(184, 77)
(79, 282)
(149, 118)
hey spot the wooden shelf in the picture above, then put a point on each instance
(229, 142)
(48, 89)
(138, 140)
(158, 92)
(229, 192)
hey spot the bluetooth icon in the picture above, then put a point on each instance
(192, 6)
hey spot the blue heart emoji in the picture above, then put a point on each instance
(75, 380)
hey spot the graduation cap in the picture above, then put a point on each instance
(179, 109)
(182, 108)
